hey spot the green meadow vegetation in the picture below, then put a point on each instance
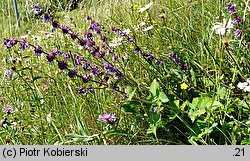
(131, 72)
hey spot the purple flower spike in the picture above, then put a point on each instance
(51, 56)
(90, 89)
(9, 43)
(82, 42)
(106, 79)
(38, 51)
(37, 9)
(238, 33)
(129, 40)
(72, 73)
(137, 50)
(107, 118)
(55, 24)
(8, 109)
(46, 18)
(109, 68)
(158, 62)
(238, 20)
(230, 6)
(24, 44)
(81, 90)
(104, 39)
(62, 64)
(95, 70)
(67, 56)
(86, 65)
(115, 57)
(232, 12)
(118, 75)
(87, 78)
(151, 57)
(65, 29)
(74, 35)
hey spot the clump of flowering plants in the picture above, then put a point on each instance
(98, 63)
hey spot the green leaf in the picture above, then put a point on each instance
(154, 119)
(200, 105)
(79, 126)
(154, 88)
(163, 97)
(127, 108)
(79, 138)
(131, 93)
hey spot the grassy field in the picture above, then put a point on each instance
(125, 72)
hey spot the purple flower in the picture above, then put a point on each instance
(8, 73)
(184, 67)
(114, 29)
(129, 40)
(90, 89)
(74, 35)
(65, 29)
(59, 52)
(151, 57)
(88, 35)
(107, 118)
(106, 78)
(95, 50)
(158, 62)
(109, 68)
(81, 90)
(87, 78)
(94, 26)
(109, 51)
(72, 73)
(78, 59)
(9, 43)
(37, 9)
(232, 12)
(86, 65)
(118, 75)
(8, 109)
(82, 42)
(62, 64)
(55, 24)
(51, 56)
(87, 18)
(95, 70)
(67, 56)
(137, 50)
(38, 51)
(115, 57)
(24, 44)
(238, 33)
(46, 18)
(238, 20)
(104, 39)
(230, 6)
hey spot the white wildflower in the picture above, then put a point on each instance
(126, 31)
(222, 28)
(245, 86)
(116, 42)
(148, 28)
(146, 7)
